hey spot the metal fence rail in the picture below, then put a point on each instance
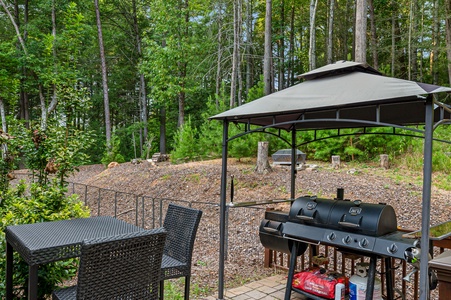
(245, 254)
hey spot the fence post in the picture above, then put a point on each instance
(98, 204)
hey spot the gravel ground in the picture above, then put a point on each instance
(199, 183)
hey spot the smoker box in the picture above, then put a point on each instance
(271, 233)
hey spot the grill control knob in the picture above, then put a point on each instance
(364, 243)
(392, 248)
(332, 236)
(347, 239)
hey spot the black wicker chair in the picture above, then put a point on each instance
(125, 266)
(181, 225)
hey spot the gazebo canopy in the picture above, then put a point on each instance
(341, 91)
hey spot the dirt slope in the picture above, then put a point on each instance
(199, 182)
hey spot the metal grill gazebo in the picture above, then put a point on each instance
(338, 96)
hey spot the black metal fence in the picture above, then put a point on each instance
(245, 254)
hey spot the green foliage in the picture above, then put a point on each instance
(114, 154)
(354, 145)
(9, 81)
(210, 137)
(186, 145)
(51, 155)
(257, 91)
(173, 290)
(56, 151)
(441, 152)
(25, 204)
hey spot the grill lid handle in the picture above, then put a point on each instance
(306, 218)
(349, 224)
(276, 227)
(272, 230)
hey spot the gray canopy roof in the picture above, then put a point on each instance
(343, 90)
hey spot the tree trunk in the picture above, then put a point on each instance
(3, 116)
(415, 41)
(262, 158)
(330, 31)
(384, 161)
(409, 43)
(235, 56)
(281, 49)
(448, 36)
(16, 27)
(435, 43)
(312, 43)
(183, 66)
(54, 94)
(24, 113)
(336, 161)
(267, 62)
(373, 36)
(421, 38)
(106, 101)
(345, 33)
(4, 146)
(182, 97)
(163, 130)
(234, 95)
(393, 39)
(360, 33)
(219, 57)
(249, 52)
(142, 80)
(290, 70)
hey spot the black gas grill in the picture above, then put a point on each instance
(350, 226)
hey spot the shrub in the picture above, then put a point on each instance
(114, 153)
(33, 203)
(51, 155)
(186, 143)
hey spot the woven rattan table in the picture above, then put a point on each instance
(41, 243)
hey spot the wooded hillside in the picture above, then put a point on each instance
(133, 72)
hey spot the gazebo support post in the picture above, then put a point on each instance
(426, 205)
(293, 163)
(222, 227)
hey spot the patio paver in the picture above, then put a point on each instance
(271, 288)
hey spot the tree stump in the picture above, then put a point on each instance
(336, 161)
(262, 158)
(384, 161)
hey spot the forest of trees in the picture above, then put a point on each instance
(131, 73)
(98, 81)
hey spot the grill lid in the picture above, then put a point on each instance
(353, 216)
